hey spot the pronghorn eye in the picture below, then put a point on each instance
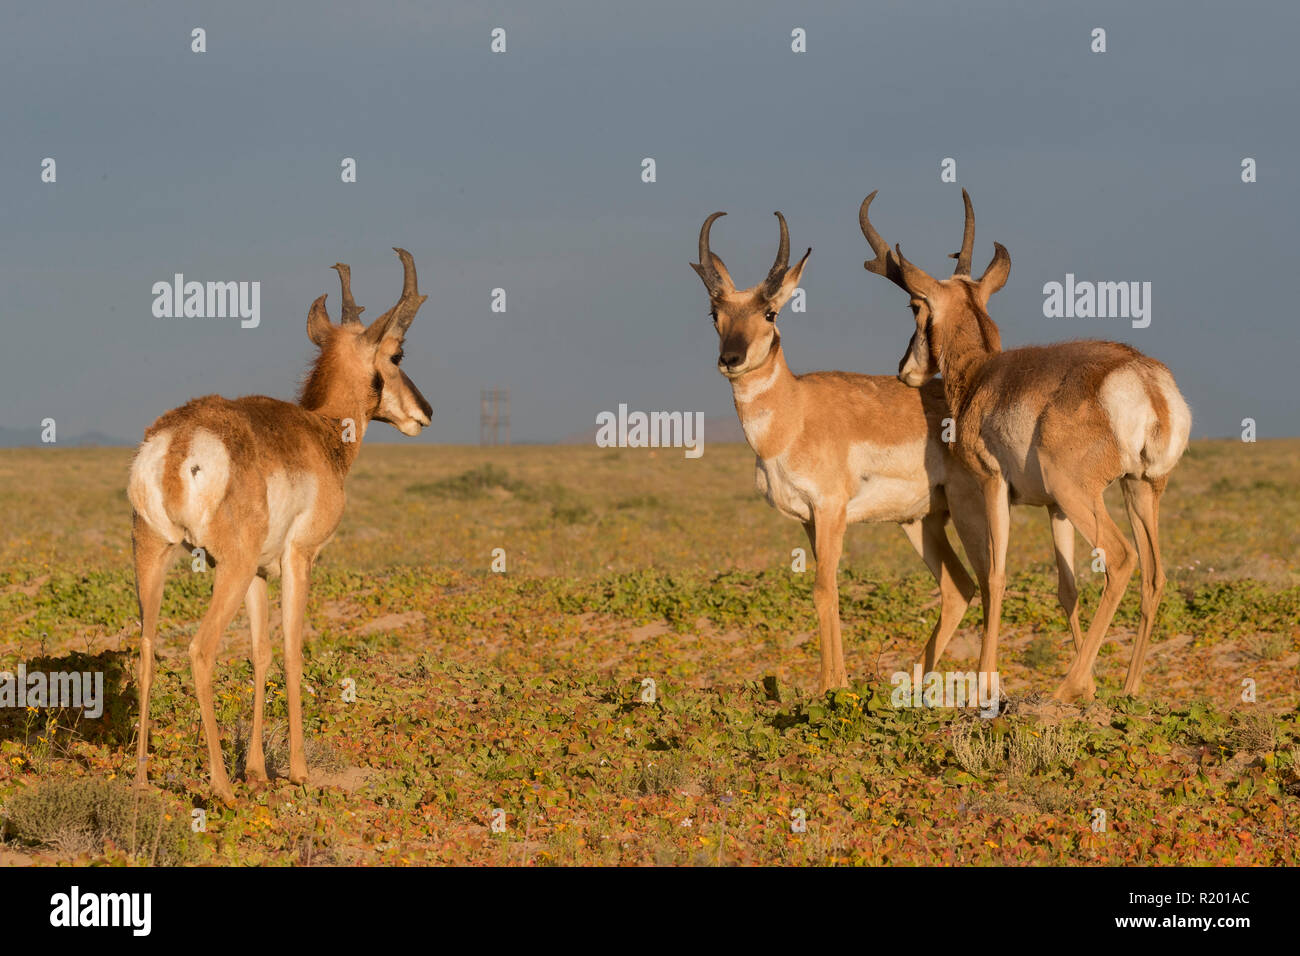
(713, 314)
(771, 315)
(397, 357)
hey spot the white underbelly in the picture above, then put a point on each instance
(895, 482)
(879, 497)
(1013, 445)
(290, 507)
(886, 498)
(1025, 479)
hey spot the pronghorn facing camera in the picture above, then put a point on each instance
(257, 483)
(834, 448)
(1049, 425)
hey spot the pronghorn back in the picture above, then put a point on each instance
(1110, 405)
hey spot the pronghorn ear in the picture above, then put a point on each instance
(915, 279)
(723, 274)
(995, 276)
(713, 288)
(318, 323)
(789, 282)
(719, 284)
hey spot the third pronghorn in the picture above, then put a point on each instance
(1048, 425)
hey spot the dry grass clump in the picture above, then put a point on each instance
(89, 814)
(1020, 752)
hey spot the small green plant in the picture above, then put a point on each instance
(1041, 653)
(662, 773)
(1252, 733)
(1267, 647)
(1052, 796)
(275, 742)
(637, 501)
(570, 513)
(474, 483)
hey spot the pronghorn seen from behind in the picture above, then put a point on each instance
(257, 483)
(1049, 425)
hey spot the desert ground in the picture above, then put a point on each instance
(498, 717)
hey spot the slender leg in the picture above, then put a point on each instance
(810, 529)
(1067, 591)
(231, 581)
(955, 586)
(296, 569)
(1143, 499)
(259, 624)
(997, 512)
(1091, 518)
(153, 555)
(828, 536)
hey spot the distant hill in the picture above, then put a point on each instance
(28, 437)
(718, 430)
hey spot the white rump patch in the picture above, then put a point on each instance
(1123, 396)
(1161, 461)
(144, 487)
(1143, 449)
(205, 476)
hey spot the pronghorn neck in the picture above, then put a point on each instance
(961, 356)
(324, 395)
(762, 395)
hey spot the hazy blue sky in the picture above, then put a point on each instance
(522, 170)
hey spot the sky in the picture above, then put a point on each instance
(522, 170)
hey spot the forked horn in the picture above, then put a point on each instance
(708, 272)
(351, 312)
(967, 239)
(398, 319)
(884, 264)
(782, 263)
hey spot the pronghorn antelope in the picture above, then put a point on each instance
(834, 448)
(1047, 425)
(966, 502)
(258, 484)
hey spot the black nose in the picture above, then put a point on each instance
(731, 359)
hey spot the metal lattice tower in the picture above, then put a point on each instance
(494, 416)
